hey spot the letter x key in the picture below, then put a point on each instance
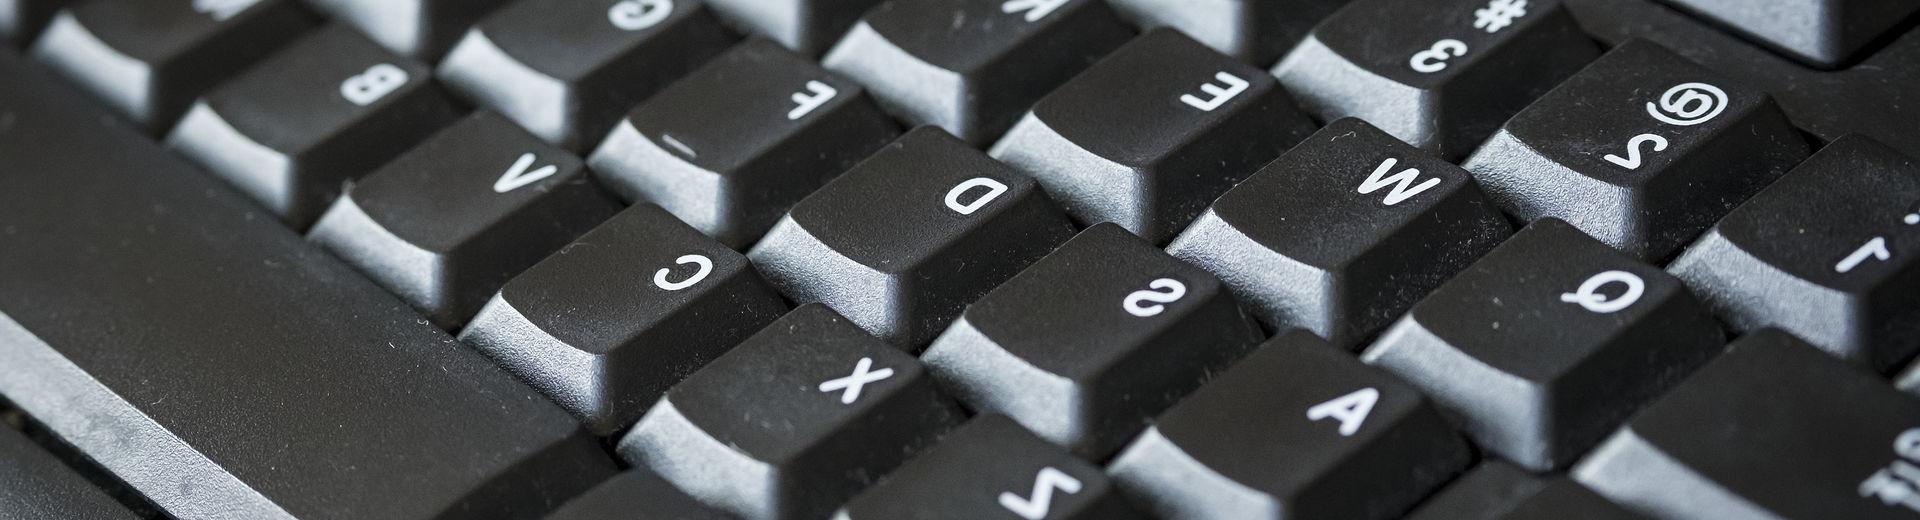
(850, 386)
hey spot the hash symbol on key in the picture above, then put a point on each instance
(1498, 14)
(850, 386)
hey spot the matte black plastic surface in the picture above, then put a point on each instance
(281, 367)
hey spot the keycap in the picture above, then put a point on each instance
(446, 223)
(732, 146)
(1442, 75)
(1547, 343)
(901, 243)
(21, 20)
(36, 486)
(1152, 133)
(329, 108)
(635, 494)
(806, 26)
(1908, 380)
(1495, 490)
(1254, 31)
(149, 59)
(1487, 491)
(420, 29)
(1564, 499)
(1404, 221)
(1821, 33)
(991, 468)
(1298, 429)
(1770, 429)
(792, 422)
(1868, 98)
(1092, 340)
(567, 69)
(972, 67)
(1830, 252)
(1663, 148)
(610, 321)
(182, 339)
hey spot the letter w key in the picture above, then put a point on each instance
(1403, 182)
(1041, 503)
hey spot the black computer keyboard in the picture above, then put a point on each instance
(927, 259)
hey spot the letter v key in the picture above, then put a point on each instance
(518, 176)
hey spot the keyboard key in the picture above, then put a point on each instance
(970, 66)
(1545, 345)
(733, 145)
(179, 337)
(901, 243)
(149, 59)
(1296, 430)
(21, 20)
(636, 494)
(806, 26)
(1151, 134)
(1821, 33)
(1661, 149)
(1254, 31)
(1870, 98)
(1485, 492)
(1771, 429)
(1406, 221)
(420, 29)
(1088, 343)
(794, 421)
(991, 468)
(1441, 75)
(1830, 252)
(1495, 490)
(615, 318)
(291, 130)
(36, 486)
(1564, 499)
(567, 69)
(448, 222)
